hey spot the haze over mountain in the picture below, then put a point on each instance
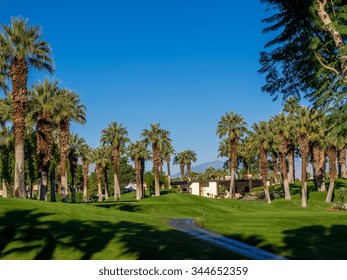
(217, 164)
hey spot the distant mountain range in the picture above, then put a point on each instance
(217, 164)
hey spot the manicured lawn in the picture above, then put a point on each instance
(132, 229)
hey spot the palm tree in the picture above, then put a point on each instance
(85, 154)
(4, 73)
(41, 107)
(76, 143)
(68, 108)
(180, 160)
(233, 126)
(158, 138)
(21, 47)
(210, 173)
(189, 157)
(261, 137)
(106, 159)
(117, 136)
(279, 125)
(303, 122)
(138, 153)
(167, 151)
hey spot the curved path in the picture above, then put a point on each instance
(188, 226)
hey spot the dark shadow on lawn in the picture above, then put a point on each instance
(316, 243)
(39, 235)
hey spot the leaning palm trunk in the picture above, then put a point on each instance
(263, 166)
(63, 137)
(116, 163)
(332, 172)
(304, 148)
(99, 179)
(291, 163)
(85, 169)
(19, 76)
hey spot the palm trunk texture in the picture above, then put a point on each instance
(332, 172)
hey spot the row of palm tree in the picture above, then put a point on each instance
(312, 133)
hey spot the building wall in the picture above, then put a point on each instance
(194, 188)
(210, 189)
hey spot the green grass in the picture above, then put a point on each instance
(132, 229)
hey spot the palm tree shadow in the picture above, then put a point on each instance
(316, 243)
(35, 235)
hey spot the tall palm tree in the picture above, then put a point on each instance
(189, 157)
(115, 135)
(233, 127)
(85, 154)
(21, 46)
(167, 151)
(303, 122)
(76, 143)
(261, 137)
(41, 107)
(279, 125)
(291, 106)
(180, 160)
(138, 153)
(158, 138)
(68, 108)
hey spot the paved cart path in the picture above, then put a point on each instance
(188, 226)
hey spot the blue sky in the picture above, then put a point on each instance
(180, 63)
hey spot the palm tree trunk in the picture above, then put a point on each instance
(4, 189)
(284, 174)
(156, 181)
(332, 172)
(63, 183)
(342, 162)
(44, 184)
(291, 162)
(274, 165)
(85, 168)
(182, 171)
(106, 183)
(232, 183)
(19, 76)
(168, 173)
(52, 176)
(116, 163)
(142, 172)
(189, 171)
(138, 179)
(63, 137)
(304, 181)
(99, 179)
(263, 168)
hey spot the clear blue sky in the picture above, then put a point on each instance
(182, 63)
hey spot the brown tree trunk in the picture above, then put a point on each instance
(142, 171)
(318, 163)
(305, 149)
(182, 171)
(332, 172)
(44, 184)
(52, 177)
(99, 179)
(189, 171)
(284, 174)
(85, 170)
(106, 183)
(233, 165)
(19, 76)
